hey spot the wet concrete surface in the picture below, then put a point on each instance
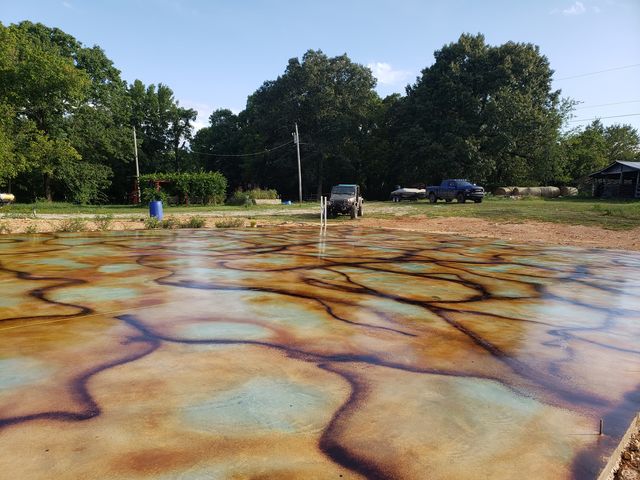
(266, 353)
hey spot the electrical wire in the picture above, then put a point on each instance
(602, 118)
(266, 150)
(599, 71)
(607, 104)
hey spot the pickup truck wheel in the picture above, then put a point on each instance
(354, 212)
(461, 198)
(432, 198)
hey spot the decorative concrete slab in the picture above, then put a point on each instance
(269, 353)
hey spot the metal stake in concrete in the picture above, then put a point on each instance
(601, 426)
(323, 212)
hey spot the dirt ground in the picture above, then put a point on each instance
(523, 232)
(630, 462)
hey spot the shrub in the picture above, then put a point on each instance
(151, 223)
(241, 199)
(169, 223)
(150, 194)
(202, 187)
(103, 222)
(72, 225)
(230, 223)
(31, 229)
(194, 222)
(85, 182)
(260, 194)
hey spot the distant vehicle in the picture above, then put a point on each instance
(400, 194)
(6, 198)
(346, 200)
(460, 189)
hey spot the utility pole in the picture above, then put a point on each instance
(135, 147)
(296, 139)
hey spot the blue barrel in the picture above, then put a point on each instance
(155, 209)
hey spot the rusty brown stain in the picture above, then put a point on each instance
(271, 354)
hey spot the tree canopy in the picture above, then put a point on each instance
(484, 112)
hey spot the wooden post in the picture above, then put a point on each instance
(620, 182)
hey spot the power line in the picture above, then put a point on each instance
(601, 118)
(266, 150)
(607, 104)
(600, 71)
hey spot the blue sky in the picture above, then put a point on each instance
(215, 53)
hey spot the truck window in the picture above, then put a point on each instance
(343, 190)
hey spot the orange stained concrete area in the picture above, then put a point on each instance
(268, 353)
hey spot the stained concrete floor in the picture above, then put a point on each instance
(266, 353)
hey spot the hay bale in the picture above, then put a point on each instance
(549, 192)
(546, 192)
(527, 191)
(504, 191)
(568, 191)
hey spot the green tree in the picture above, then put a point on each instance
(180, 132)
(584, 151)
(223, 136)
(42, 85)
(330, 98)
(163, 126)
(483, 112)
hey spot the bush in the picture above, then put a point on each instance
(103, 222)
(72, 225)
(152, 222)
(31, 229)
(150, 194)
(169, 223)
(85, 182)
(206, 188)
(259, 194)
(194, 222)
(241, 199)
(230, 223)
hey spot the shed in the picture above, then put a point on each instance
(620, 179)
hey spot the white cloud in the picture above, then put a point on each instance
(204, 111)
(577, 8)
(386, 74)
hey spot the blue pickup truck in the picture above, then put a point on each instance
(461, 190)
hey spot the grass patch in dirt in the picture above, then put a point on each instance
(230, 223)
(72, 225)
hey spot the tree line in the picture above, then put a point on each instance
(483, 112)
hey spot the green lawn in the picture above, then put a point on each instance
(70, 208)
(609, 214)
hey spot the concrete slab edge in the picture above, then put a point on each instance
(612, 465)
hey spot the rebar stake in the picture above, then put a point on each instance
(601, 426)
